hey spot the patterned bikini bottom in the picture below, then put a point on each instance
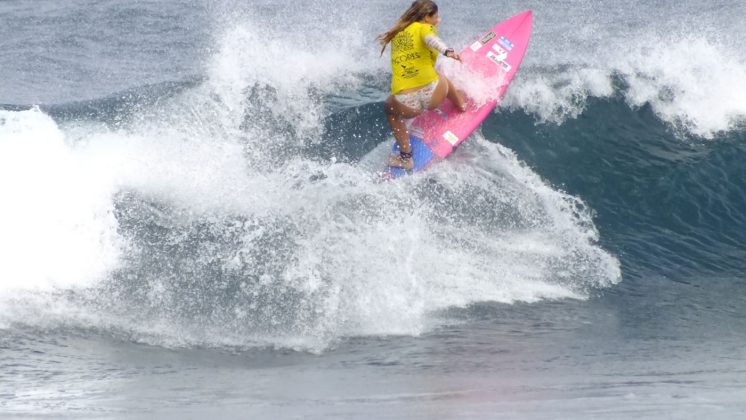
(419, 99)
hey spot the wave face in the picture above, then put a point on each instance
(240, 206)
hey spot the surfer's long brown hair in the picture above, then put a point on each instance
(416, 12)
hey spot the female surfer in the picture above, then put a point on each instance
(415, 85)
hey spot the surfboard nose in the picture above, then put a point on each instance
(527, 15)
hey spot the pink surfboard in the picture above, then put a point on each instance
(493, 59)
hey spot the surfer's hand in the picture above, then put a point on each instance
(454, 55)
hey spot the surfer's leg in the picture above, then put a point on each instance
(396, 113)
(439, 94)
(444, 90)
(456, 96)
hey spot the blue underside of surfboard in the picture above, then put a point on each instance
(420, 152)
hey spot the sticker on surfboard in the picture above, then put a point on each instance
(500, 60)
(501, 52)
(505, 42)
(485, 39)
(450, 137)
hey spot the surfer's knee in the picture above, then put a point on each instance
(388, 107)
(391, 108)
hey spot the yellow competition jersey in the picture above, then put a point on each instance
(412, 61)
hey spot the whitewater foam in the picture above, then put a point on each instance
(57, 221)
(234, 236)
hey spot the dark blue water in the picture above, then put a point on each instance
(192, 223)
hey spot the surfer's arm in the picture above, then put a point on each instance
(438, 45)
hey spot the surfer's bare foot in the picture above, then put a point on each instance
(397, 161)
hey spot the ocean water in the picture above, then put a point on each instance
(192, 224)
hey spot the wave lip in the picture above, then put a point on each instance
(696, 85)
